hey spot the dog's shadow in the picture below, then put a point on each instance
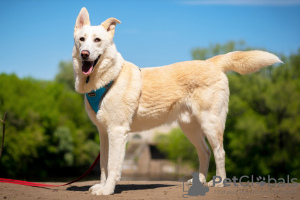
(121, 188)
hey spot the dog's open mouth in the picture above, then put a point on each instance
(88, 66)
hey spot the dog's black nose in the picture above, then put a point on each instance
(85, 54)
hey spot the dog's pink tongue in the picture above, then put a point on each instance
(87, 67)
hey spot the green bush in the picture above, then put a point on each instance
(47, 127)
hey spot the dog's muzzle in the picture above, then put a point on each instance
(88, 66)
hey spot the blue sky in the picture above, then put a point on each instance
(36, 35)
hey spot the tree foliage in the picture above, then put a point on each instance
(46, 128)
(262, 135)
(66, 74)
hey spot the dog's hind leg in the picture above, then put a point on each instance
(210, 106)
(213, 128)
(193, 132)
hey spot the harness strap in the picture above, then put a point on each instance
(95, 97)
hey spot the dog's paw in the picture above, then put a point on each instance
(99, 189)
(210, 184)
(96, 187)
(190, 182)
(201, 178)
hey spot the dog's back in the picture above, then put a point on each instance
(176, 91)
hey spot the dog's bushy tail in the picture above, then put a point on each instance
(244, 62)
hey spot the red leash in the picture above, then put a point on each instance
(3, 180)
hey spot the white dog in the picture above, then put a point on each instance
(195, 93)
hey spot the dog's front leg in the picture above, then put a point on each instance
(103, 159)
(117, 138)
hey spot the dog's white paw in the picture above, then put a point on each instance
(100, 189)
(201, 178)
(210, 184)
(96, 187)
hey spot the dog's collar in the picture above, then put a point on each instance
(95, 97)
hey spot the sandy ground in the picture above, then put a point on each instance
(146, 190)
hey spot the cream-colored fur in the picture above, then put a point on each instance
(195, 93)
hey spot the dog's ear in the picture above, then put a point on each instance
(82, 19)
(110, 25)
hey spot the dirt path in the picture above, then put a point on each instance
(146, 190)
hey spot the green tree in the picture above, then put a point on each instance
(217, 49)
(47, 127)
(66, 74)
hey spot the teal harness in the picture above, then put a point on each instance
(95, 97)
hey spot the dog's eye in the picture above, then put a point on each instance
(82, 39)
(97, 40)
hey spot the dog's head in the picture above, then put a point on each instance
(91, 42)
